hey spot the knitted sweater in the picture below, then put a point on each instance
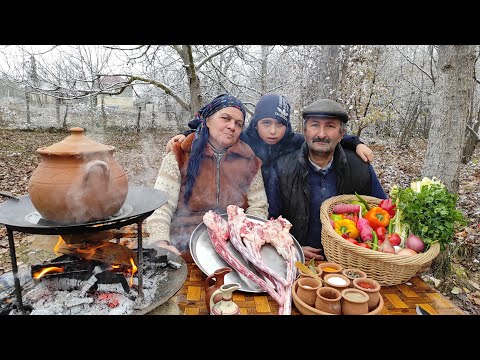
(239, 182)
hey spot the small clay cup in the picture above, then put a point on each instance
(354, 302)
(373, 291)
(330, 283)
(328, 300)
(329, 268)
(359, 274)
(307, 290)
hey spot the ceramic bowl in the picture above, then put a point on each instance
(306, 309)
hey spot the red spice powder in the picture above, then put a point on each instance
(365, 285)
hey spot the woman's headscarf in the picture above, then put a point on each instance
(201, 136)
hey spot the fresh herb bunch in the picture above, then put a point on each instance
(429, 210)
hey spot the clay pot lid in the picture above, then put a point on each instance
(74, 144)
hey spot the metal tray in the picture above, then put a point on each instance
(207, 259)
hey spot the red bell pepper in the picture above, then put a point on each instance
(388, 206)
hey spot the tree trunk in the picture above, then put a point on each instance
(472, 140)
(451, 111)
(264, 69)
(102, 111)
(93, 109)
(27, 106)
(64, 125)
(138, 118)
(406, 133)
(329, 72)
(57, 109)
(185, 53)
(152, 123)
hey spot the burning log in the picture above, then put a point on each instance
(106, 252)
(103, 236)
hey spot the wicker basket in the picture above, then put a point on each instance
(387, 269)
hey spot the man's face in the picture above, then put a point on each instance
(323, 134)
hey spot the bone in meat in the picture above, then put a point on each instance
(238, 224)
(219, 234)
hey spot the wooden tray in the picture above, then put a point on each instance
(306, 309)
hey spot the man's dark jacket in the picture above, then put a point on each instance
(289, 190)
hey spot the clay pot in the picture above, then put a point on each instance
(307, 290)
(78, 180)
(353, 274)
(336, 281)
(373, 291)
(329, 268)
(328, 300)
(212, 283)
(354, 302)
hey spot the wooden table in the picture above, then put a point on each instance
(398, 300)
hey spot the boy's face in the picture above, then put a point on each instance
(270, 130)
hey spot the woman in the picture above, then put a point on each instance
(211, 169)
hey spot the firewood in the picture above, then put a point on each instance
(89, 237)
(107, 252)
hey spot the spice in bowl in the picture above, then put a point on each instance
(329, 269)
(337, 281)
(365, 285)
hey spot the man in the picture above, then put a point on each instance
(321, 168)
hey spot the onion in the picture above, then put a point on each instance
(387, 247)
(397, 248)
(415, 243)
(406, 251)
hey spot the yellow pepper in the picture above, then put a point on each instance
(346, 227)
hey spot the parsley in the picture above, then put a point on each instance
(430, 212)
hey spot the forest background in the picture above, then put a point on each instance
(417, 106)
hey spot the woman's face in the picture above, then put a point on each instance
(225, 127)
(270, 130)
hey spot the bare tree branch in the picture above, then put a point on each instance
(201, 63)
(414, 64)
(473, 131)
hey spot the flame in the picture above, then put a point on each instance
(134, 270)
(59, 244)
(50, 269)
(91, 250)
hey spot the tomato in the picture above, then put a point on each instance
(394, 239)
(353, 241)
(381, 232)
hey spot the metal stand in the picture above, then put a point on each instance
(13, 259)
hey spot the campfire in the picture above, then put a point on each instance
(95, 278)
(100, 267)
